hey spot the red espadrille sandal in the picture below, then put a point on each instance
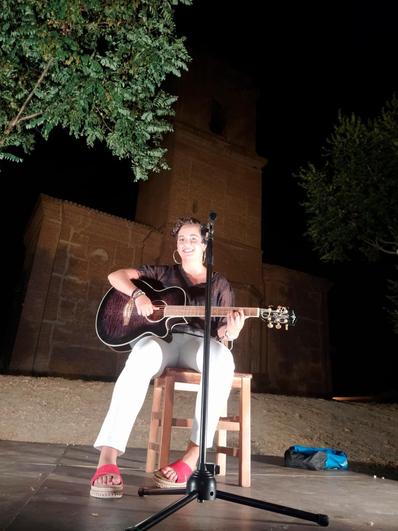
(183, 472)
(106, 491)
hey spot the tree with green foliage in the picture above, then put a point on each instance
(352, 197)
(94, 68)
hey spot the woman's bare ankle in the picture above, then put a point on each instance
(108, 456)
(191, 455)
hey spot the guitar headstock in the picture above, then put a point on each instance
(278, 316)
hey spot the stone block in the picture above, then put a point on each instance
(74, 288)
(75, 360)
(78, 268)
(53, 299)
(44, 348)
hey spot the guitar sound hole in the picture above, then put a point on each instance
(157, 315)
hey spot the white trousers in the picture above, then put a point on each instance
(149, 357)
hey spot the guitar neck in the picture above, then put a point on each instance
(199, 311)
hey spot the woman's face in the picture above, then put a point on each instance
(189, 243)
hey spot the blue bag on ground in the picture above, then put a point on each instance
(315, 458)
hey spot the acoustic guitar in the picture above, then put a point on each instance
(117, 322)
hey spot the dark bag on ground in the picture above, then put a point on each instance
(315, 458)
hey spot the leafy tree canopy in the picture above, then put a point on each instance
(352, 198)
(93, 67)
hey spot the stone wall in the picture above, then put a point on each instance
(297, 360)
(70, 251)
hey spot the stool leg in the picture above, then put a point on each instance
(244, 435)
(166, 422)
(221, 440)
(153, 447)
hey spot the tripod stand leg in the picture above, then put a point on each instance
(321, 519)
(164, 513)
(142, 491)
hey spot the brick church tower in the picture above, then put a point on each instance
(214, 167)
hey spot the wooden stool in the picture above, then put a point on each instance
(162, 421)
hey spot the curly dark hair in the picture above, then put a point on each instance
(188, 221)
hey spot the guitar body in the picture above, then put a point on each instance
(115, 332)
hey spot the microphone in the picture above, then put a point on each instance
(210, 224)
(204, 230)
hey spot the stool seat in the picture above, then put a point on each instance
(163, 421)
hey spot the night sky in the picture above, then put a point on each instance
(309, 60)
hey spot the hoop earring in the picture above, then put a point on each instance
(174, 258)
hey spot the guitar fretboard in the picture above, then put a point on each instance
(199, 311)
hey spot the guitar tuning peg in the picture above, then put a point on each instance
(287, 326)
(278, 326)
(270, 325)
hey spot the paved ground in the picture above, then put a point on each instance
(45, 487)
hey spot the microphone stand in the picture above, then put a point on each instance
(201, 485)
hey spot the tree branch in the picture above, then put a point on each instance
(13, 123)
(380, 247)
(29, 117)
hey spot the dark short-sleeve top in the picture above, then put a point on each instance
(221, 294)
